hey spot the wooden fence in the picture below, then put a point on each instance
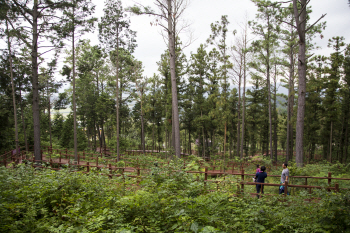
(286, 185)
(97, 161)
(68, 154)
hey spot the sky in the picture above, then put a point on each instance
(201, 13)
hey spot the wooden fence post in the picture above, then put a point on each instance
(285, 188)
(88, 166)
(337, 187)
(96, 162)
(205, 176)
(66, 153)
(242, 177)
(329, 180)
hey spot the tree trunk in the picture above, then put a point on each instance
(189, 141)
(302, 81)
(35, 85)
(49, 112)
(173, 80)
(346, 144)
(74, 100)
(203, 137)
(243, 108)
(199, 143)
(313, 148)
(89, 136)
(331, 143)
(142, 129)
(269, 90)
(117, 94)
(158, 135)
(95, 134)
(103, 135)
(275, 114)
(153, 139)
(341, 142)
(239, 118)
(172, 130)
(23, 121)
(290, 107)
(13, 92)
(270, 115)
(185, 142)
(99, 133)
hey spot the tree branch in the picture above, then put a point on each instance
(49, 50)
(154, 14)
(287, 23)
(18, 34)
(315, 22)
(284, 2)
(25, 11)
(309, 56)
(166, 29)
(162, 5)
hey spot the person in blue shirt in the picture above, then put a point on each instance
(260, 178)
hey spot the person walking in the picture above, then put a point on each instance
(260, 178)
(284, 178)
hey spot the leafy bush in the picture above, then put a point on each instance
(166, 200)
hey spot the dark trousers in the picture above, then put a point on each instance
(258, 188)
(281, 190)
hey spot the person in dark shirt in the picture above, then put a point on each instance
(260, 178)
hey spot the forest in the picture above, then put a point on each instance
(90, 143)
(225, 99)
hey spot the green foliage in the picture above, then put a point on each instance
(124, 143)
(67, 140)
(57, 125)
(49, 201)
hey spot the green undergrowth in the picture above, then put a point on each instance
(164, 201)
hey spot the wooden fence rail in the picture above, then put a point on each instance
(207, 172)
(96, 158)
(243, 182)
(68, 154)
